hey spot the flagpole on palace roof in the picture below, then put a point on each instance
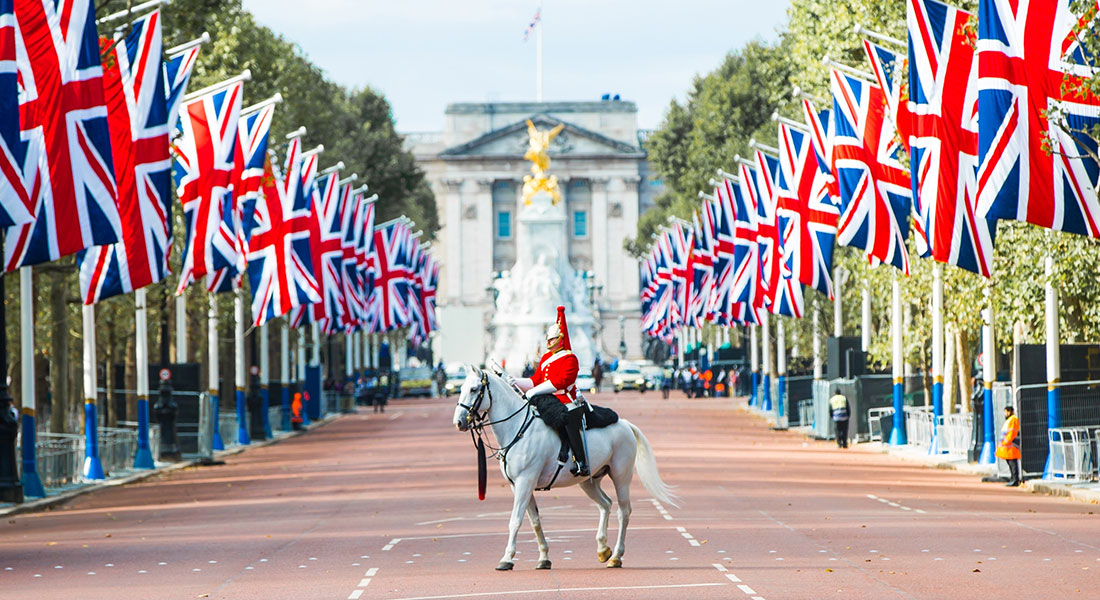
(175, 51)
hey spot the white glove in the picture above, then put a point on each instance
(543, 388)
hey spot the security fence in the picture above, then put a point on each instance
(919, 425)
(956, 433)
(1071, 452)
(1080, 407)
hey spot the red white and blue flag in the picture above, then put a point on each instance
(429, 284)
(333, 312)
(767, 227)
(1029, 57)
(391, 278)
(809, 231)
(724, 247)
(15, 197)
(364, 260)
(702, 262)
(177, 73)
(351, 279)
(68, 173)
(133, 83)
(280, 257)
(682, 272)
(943, 156)
(746, 261)
(874, 188)
(204, 168)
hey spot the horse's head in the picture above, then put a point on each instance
(473, 403)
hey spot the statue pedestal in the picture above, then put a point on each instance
(541, 280)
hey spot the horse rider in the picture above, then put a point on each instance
(557, 375)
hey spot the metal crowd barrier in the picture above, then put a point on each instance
(60, 458)
(956, 433)
(874, 421)
(275, 416)
(919, 423)
(1071, 452)
(806, 412)
(227, 427)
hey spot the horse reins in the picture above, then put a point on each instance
(479, 423)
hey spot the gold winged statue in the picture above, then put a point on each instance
(538, 152)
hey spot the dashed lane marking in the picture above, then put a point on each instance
(364, 582)
(895, 504)
(687, 536)
(661, 509)
(389, 546)
(558, 590)
(355, 595)
(748, 590)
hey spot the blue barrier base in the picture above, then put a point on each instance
(754, 380)
(767, 393)
(284, 421)
(217, 443)
(780, 402)
(313, 384)
(32, 483)
(242, 420)
(937, 412)
(988, 455)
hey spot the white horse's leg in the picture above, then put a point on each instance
(592, 489)
(622, 493)
(536, 524)
(522, 490)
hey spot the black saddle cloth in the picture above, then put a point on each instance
(553, 412)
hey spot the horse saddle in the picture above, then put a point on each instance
(552, 412)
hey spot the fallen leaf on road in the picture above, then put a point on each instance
(204, 595)
(106, 535)
(976, 571)
(828, 570)
(51, 543)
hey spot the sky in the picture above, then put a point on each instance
(425, 54)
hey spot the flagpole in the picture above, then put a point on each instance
(766, 365)
(1054, 366)
(212, 360)
(898, 435)
(143, 457)
(817, 342)
(781, 373)
(284, 372)
(538, 58)
(181, 328)
(265, 379)
(989, 375)
(32, 483)
(937, 355)
(840, 276)
(315, 368)
(238, 369)
(301, 377)
(865, 316)
(93, 468)
(175, 51)
(754, 364)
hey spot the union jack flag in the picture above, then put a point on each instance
(418, 330)
(874, 188)
(944, 154)
(364, 260)
(810, 214)
(351, 279)
(391, 278)
(133, 84)
(330, 252)
(429, 283)
(746, 255)
(767, 227)
(280, 259)
(682, 264)
(204, 167)
(177, 73)
(724, 245)
(15, 201)
(1028, 54)
(702, 262)
(69, 172)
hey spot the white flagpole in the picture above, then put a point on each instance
(937, 355)
(238, 369)
(898, 435)
(181, 328)
(766, 364)
(301, 377)
(143, 457)
(865, 317)
(284, 372)
(754, 365)
(315, 363)
(32, 483)
(780, 372)
(817, 342)
(93, 468)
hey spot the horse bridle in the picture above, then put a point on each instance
(475, 419)
(478, 422)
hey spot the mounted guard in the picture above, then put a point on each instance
(554, 387)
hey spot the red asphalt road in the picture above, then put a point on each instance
(384, 506)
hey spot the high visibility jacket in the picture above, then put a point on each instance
(296, 409)
(559, 368)
(839, 405)
(1009, 446)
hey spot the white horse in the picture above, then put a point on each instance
(529, 460)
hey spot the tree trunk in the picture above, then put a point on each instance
(966, 386)
(949, 369)
(60, 398)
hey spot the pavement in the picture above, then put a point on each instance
(385, 506)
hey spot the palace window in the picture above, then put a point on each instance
(504, 225)
(580, 223)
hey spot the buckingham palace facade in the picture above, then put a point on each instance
(476, 169)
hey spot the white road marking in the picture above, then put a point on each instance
(748, 590)
(557, 590)
(694, 542)
(371, 572)
(364, 582)
(355, 595)
(895, 504)
(733, 578)
(661, 509)
(719, 567)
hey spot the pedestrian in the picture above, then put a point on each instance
(597, 374)
(1008, 448)
(666, 382)
(841, 410)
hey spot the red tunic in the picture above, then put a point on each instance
(560, 369)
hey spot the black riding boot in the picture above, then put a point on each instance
(576, 442)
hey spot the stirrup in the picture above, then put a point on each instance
(580, 470)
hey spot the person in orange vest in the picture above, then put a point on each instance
(1009, 446)
(296, 412)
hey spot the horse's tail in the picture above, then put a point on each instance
(646, 466)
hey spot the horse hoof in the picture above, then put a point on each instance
(505, 566)
(615, 563)
(604, 554)
(544, 565)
